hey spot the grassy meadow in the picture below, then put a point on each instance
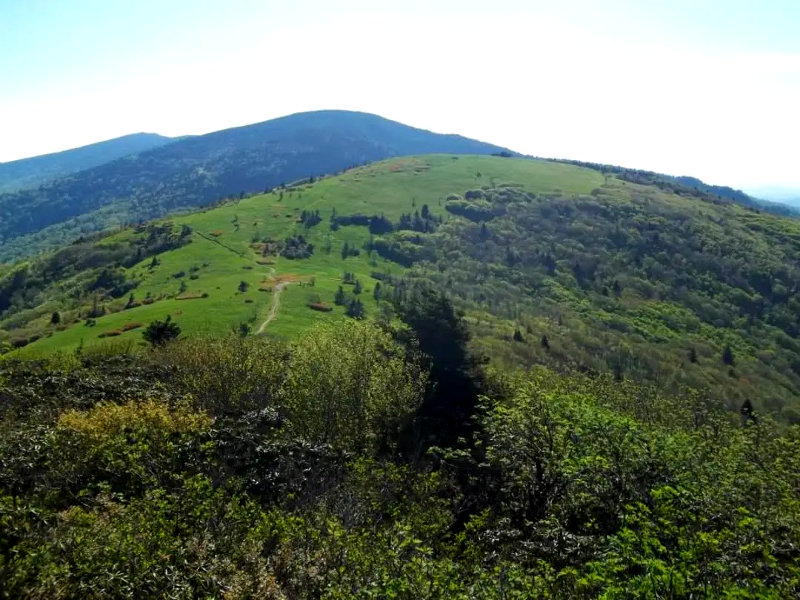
(221, 256)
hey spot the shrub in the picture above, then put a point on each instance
(227, 375)
(160, 333)
(351, 386)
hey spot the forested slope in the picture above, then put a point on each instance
(32, 172)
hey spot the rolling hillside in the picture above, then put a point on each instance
(34, 171)
(555, 264)
(200, 170)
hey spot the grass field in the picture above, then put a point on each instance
(220, 256)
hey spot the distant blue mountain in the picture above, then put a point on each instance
(31, 172)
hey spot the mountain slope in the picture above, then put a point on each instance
(693, 186)
(31, 172)
(200, 170)
(555, 264)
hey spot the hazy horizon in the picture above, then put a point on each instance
(707, 89)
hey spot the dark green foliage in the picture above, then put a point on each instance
(55, 318)
(456, 375)
(348, 251)
(377, 291)
(243, 286)
(518, 336)
(727, 356)
(341, 298)
(545, 343)
(357, 287)
(160, 333)
(297, 247)
(355, 309)
(405, 247)
(310, 218)
(380, 225)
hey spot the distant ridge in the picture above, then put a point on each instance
(199, 170)
(33, 171)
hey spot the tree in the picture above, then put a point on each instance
(426, 212)
(545, 343)
(340, 297)
(131, 301)
(456, 376)
(160, 333)
(55, 319)
(355, 309)
(97, 310)
(692, 355)
(357, 287)
(243, 286)
(243, 330)
(518, 335)
(728, 357)
(376, 291)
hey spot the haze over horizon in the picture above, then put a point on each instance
(707, 89)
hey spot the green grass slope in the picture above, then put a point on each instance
(555, 264)
(221, 257)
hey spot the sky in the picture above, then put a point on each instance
(709, 88)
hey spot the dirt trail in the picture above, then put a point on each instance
(276, 304)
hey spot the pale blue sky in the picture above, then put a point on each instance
(705, 87)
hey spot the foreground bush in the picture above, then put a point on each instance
(286, 483)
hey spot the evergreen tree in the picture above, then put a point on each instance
(376, 291)
(355, 309)
(692, 355)
(340, 297)
(545, 343)
(55, 318)
(518, 335)
(456, 376)
(727, 356)
(357, 287)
